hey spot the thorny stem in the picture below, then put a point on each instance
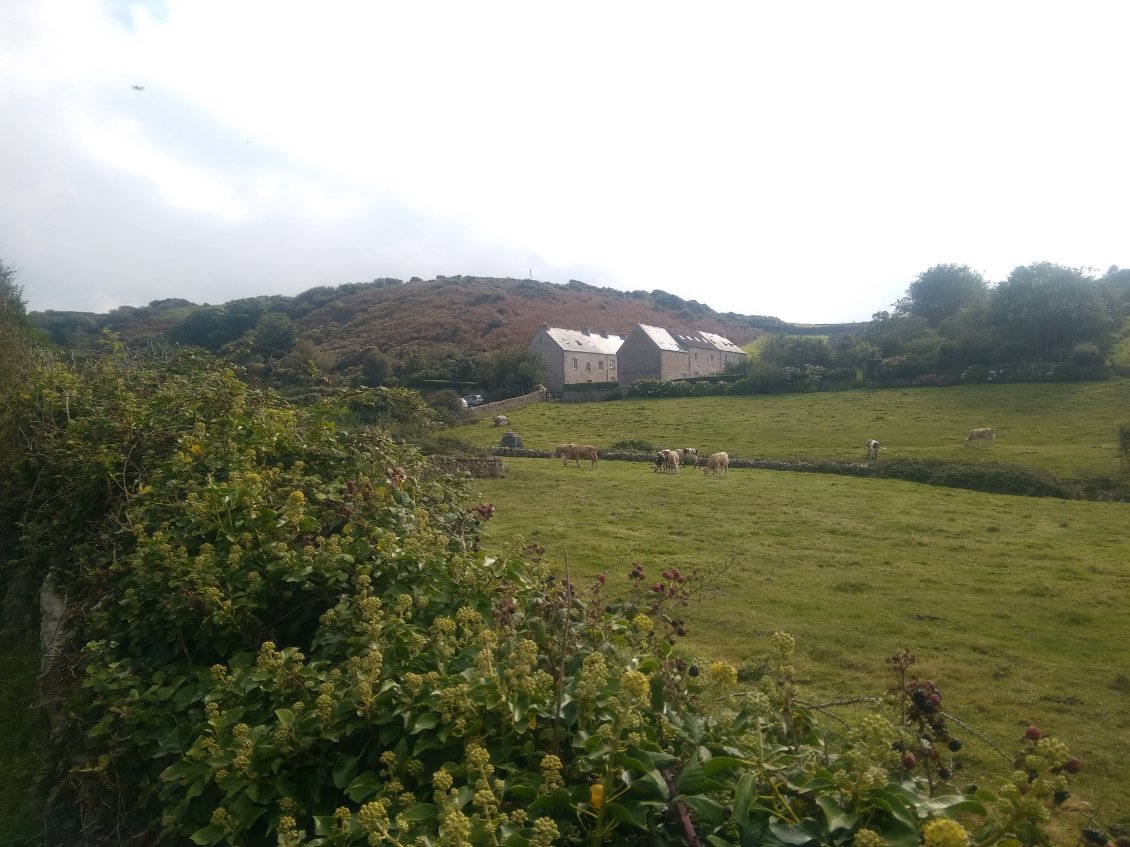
(682, 813)
(978, 736)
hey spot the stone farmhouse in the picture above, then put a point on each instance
(572, 356)
(648, 352)
(651, 352)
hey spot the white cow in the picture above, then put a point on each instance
(667, 461)
(983, 433)
(872, 449)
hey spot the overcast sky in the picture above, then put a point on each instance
(805, 160)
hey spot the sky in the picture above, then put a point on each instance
(804, 160)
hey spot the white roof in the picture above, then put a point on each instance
(720, 343)
(661, 337)
(676, 340)
(590, 342)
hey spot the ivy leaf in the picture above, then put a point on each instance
(653, 784)
(363, 787)
(953, 803)
(707, 808)
(325, 825)
(837, 816)
(896, 804)
(286, 718)
(692, 780)
(207, 836)
(718, 764)
(344, 771)
(419, 812)
(800, 833)
(633, 815)
(743, 797)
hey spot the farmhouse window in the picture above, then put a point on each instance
(612, 365)
(588, 366)
(574, 363)
(600, 365)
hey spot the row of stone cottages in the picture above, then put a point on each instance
(575, 356)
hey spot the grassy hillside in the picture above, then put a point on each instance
(1013, 604)
(1068, 429)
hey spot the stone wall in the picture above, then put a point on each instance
(489, 467)
(489, 410)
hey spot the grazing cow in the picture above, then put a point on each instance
(576, 452)
(667, 461)
(983, 433)
(717, 463)
(501, 420)
(561, 450)
(688, 456)
(872, 449)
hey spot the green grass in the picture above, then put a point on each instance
(1068, 429)
(1014, 605)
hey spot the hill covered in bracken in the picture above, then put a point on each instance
(477, 313)
(473, 314)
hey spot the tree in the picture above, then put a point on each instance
(796, 351)
(376, 368)
(1044, 309)
(942, 292)
(274, 336)
(512, 372)
(12, 307)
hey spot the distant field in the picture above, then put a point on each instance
(1016, 606)
(1069, 429)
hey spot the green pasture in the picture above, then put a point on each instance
(1068, 429)
(1016, 606)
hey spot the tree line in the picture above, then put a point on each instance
(1044, 322)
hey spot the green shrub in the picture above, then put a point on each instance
(288, 635)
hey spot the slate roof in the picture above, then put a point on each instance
(592, 342)
(676, 340)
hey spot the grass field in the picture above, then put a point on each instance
(1016, 606)
(1068, 429)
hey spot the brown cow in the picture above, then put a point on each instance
(717, 463)
(576, 452)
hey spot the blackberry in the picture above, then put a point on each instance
(944, 773)
(954, 744)
(1094, 835)
(1061, 795)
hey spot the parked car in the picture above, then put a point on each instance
(473, 400)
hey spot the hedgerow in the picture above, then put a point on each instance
(286, 633)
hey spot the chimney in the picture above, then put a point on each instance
(543, 327)
(584, 330)
(604, 333)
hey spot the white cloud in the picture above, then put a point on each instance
(803, 160)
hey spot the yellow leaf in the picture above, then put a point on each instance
(596, 795)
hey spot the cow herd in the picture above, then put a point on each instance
(672, 460)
